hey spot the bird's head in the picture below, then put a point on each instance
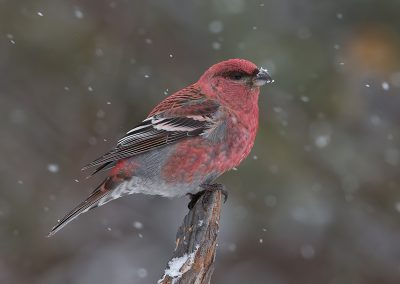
(235, 81)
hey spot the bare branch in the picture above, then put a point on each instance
(196, 240)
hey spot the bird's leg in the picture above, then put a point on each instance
(206, 188)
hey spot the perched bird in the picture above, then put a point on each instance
(186, 142)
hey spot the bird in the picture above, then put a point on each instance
(186, 142)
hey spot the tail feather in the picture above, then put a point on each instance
(93, 201)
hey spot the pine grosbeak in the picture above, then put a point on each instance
(187, 141)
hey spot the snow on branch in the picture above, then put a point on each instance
(196, 241)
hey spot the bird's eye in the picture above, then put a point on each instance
(236, 76)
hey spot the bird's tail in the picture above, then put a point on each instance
(98, 197)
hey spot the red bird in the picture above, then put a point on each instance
(187, 141)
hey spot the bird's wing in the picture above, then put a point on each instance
(178, 117)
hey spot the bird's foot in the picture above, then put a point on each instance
(206, 189)
(194, 198)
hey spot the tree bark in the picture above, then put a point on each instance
(196, 241)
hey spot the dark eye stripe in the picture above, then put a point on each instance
(235, 75)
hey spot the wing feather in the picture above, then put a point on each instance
(182, 115)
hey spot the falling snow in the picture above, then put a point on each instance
(99, 52)
(321, 134)
(277, 109)
(100, 113)
(216, 45)
(11, 38)
(307, 251)
(53, 168)
(385, 86)
(305, 99)
(270, 200)
(322, 141)
(375, 119)
(230, 6)
(78, 13)
(142, 272)
(232, 247)
(215, 27)
(138, 225)
(392, 156)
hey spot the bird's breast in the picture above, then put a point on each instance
(240, 136)
(202, 159)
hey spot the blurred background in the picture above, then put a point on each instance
(318, 199)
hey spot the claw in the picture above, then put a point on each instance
(206, 188)
(225, 194)
(194, 198)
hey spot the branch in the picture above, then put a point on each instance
(196, 240)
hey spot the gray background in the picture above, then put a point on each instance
(318, 199)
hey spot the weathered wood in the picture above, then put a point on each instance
(196, 241)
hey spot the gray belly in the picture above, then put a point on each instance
(148, 178)
(155, 187)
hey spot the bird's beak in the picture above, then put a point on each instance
(261, 78)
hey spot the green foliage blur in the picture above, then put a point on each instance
(318, 199)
